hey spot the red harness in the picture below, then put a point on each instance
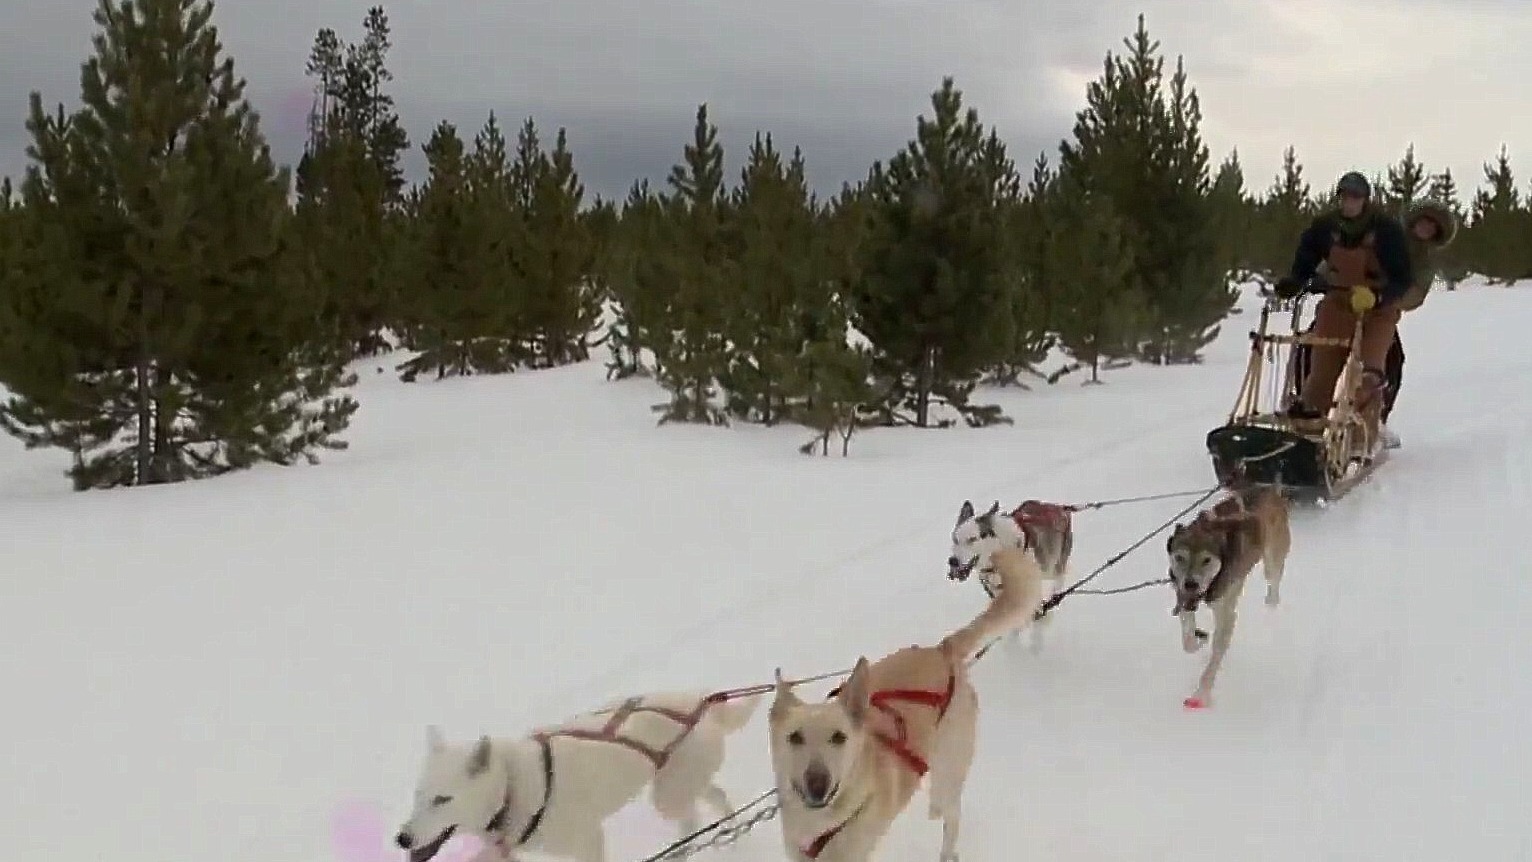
(817, 846)
(1035, 513)
(899, 743)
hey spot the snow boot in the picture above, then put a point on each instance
(1390, 439)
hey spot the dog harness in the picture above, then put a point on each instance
(1034, 513)
(817, 846)
(899, 743)
(1028, 517)
(610, 731)
(496, 825)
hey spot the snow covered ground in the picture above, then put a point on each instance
(207, 671)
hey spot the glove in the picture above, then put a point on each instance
(1363, 299)
(1287, 287)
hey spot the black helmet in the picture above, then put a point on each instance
(1353, 183)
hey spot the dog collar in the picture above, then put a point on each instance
(497, 823)
(817, 846)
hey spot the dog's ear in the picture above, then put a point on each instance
(478, 759)
(993, 510)
(965, 512)
(854, 695)
(434, 739)
(786, 698)
(1170, 541)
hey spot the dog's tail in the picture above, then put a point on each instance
(1014, 605)
(735, 712)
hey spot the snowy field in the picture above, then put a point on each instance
(205, 672)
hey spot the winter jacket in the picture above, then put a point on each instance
(1370, 248)
(1423, 254)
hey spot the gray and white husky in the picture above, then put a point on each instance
(552, 789)
(1045, 529)
(1211, 558)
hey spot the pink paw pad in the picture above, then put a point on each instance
(1194, 703)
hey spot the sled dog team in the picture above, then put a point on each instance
(844, 767)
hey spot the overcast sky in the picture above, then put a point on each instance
(1349, 82)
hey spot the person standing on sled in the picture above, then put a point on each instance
(1369, 272)
(1430, 227)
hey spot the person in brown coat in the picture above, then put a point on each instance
(1367, 256)
(1431, 227)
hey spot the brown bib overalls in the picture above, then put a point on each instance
(1333, 318)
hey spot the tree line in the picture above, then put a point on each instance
(174, 304)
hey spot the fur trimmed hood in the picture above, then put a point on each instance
(1444, 218)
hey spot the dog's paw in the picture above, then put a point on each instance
(1192, 644)
(948, 857)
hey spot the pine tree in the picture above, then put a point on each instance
(934, 286)
(1027, 336)
(556, 258)
(783, 291)
(351, 184)
(1101, 312)
(1496, 238)
(347, 241)
(156, 324)
(1233, 211)
(467, 308)
(1280, 218)
(833, 379)
(603, 223)
(350, 97)
(351, 180)
(689, 264)
(1139, 143)
(1444, 190)
(639, 299)
(1407, 183)
(1032, 311)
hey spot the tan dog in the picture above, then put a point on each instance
(1210, 559)
(847, 767)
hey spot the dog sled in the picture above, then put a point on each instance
(1311, 461)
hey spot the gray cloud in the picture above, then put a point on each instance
(845, 80)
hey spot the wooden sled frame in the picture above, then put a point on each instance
(1336, 446)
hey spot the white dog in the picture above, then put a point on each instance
(552, 789)
(1045, 529)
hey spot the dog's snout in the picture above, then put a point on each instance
(404, 840)
(816, 781)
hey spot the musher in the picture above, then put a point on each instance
(1367, 255)
(1430, 227)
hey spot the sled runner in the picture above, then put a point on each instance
(1312, 461)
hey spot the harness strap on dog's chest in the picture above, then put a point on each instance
(900, 743)
(817, 846)
(496, 824)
